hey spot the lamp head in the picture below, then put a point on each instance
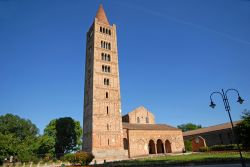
(212, 105)
(240, 100)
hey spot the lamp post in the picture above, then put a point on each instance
(227, 108)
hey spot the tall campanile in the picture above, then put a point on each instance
(102, 123)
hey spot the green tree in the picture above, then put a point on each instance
(46, 147)
(20, 128)
(17, 138)
(243, 130)
(66, 133)
(188, 145)
(188, 126)
(50, 129)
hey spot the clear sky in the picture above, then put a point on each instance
(172, 55)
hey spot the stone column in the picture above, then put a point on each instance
(156, 148)
(164, 146)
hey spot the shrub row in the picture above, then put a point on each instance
(78, 158)
(229, 147)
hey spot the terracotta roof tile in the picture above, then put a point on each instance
(210, 129)
(147, 126)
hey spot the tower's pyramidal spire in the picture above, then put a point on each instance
(101, 16)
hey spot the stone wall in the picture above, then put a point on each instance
(218, 137)
(140, 115)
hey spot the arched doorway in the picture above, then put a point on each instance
(197, 143)
(168, 146)
(125, 143)
(160, 147)
(151, 147)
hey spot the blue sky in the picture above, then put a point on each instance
(172, 55)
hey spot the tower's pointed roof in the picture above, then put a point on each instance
(101, 16)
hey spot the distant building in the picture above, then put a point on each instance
(104, 133)
(214, 135)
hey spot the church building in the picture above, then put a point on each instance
(106, 133)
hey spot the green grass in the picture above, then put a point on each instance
(199, 158)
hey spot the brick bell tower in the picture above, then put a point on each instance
(102, 123)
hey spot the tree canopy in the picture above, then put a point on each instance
(188, 126)
(18, 138)
(243, 130)
(66, 133)
(18, 127)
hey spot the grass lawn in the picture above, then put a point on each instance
(197, 158)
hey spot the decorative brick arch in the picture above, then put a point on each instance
(151, 147)
(168, 148)
(159, 146)
(197, 143)
(125, 143)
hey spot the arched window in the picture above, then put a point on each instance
(102, 68)
(101, 44)
(109, 32)
(138, 120)
(109, 47)
(105, 57)
(108, 57)
(100, 29)
(103, 29)
(107, 110)
(108, 69)
(102, 56)
(106, 81)
(108, 142)
(125, 143)
(106, 31)
(107, 95)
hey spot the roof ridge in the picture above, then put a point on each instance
(234, 122)
(210, 128)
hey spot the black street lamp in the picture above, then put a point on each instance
(227, 108)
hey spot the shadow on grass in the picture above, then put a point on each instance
(184, 160)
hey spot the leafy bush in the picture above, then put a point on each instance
(69, 158)
(26, 156)
(228, 147)
(188, 145)
(243, 130)
(48, 157)
(82, 158)
(204, 149)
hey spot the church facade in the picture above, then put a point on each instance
(107, 134)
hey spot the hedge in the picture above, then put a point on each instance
(229, 147)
